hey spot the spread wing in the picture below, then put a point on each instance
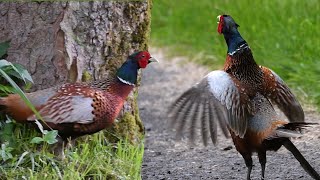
(280, 94)
(216, 99)
(67, 109)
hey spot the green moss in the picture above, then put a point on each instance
(139, 122)
(124, 46)
(139, 36)
(128, 127)
(142, 33)
(86, 76)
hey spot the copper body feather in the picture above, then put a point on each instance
(73, 109)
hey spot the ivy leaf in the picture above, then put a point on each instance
(51, 137)
(36, 140)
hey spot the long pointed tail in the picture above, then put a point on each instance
(304, 163)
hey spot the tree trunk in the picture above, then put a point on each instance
(77, 41)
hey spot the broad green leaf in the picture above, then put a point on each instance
(4, 47)
(4, 63)
(11, 72)
(37, 140)
(51, 136)
(23, 72)
(10, 69)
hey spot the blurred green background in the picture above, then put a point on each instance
(283, 35)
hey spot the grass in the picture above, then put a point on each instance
(283, 35)
(93, 158)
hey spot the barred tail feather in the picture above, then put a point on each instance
(292, 129)
(297, 126)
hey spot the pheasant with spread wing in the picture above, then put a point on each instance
(238, 99)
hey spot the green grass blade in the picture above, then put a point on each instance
(21, 158)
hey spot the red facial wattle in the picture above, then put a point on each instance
(220, 24)
(143, 59)
(143, 63)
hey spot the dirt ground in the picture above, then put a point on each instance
(165, 158)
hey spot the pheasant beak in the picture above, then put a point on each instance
(218, 18)
(152, 59)
(220, 23)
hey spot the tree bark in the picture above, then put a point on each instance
(77, 41)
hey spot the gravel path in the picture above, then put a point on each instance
(165, 158)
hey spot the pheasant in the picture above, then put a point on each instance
(79, 109)
(238, 98)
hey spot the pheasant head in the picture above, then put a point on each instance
(128, 72)
(226, 24)
(229, 28)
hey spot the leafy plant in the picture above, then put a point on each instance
(8, 70)
(49, 137)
